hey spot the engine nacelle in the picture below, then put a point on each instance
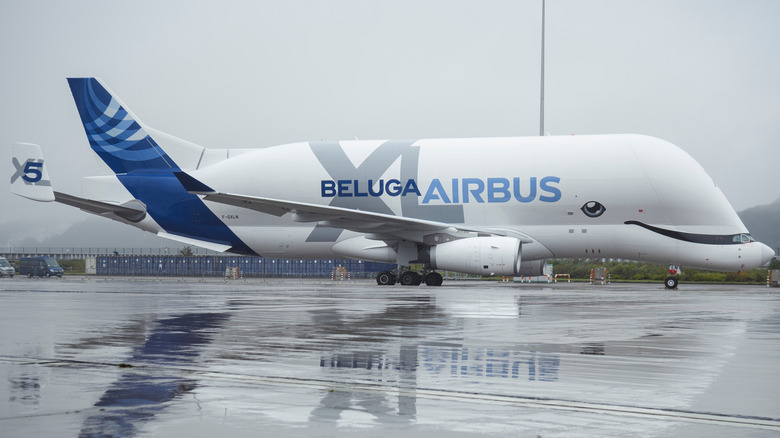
(478, 255)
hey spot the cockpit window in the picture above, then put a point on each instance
(743, 238)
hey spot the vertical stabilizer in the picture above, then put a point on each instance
(116, 134)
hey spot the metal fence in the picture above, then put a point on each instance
(75, 253)
(219, 266)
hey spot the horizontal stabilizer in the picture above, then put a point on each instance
(133, 210)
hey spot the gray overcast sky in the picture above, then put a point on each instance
(700, 74)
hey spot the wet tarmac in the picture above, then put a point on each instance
(188, 358)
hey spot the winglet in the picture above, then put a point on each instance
(192, 185)
(31, 179)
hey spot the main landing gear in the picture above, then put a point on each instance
(671, 281)
(385, 278)
(409, 278)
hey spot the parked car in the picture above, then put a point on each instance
(39, 267)
(6, 270)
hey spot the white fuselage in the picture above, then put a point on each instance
(532, 186)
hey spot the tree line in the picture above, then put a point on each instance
(635, 271)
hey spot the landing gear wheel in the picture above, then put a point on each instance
(671, 283)
(410, 278)
(433, 279)
(385, 278)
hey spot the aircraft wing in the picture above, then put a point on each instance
(381, 226)
(376, 226)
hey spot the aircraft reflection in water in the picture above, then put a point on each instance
(453, 362)
(25, 387)
(401, 369)
(137, 397)
(416, 364)
(481, 362)
(408, 365)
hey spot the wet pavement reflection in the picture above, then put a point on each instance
(112, 357)
(136, 397)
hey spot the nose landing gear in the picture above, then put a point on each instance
(671, 281)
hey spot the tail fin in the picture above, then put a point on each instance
(31, 179)
(114, 133)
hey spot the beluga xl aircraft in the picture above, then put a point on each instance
(490, 206)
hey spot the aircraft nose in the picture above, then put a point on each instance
(767, 254)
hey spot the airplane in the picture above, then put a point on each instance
(485, 206)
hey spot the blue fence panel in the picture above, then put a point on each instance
(196, 266)
(272, 270)
(215, 266)
(257, 267)
(181, 266)
(284, 267)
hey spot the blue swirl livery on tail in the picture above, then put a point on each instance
(114, 133)
(147, 171)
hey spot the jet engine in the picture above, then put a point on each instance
(479, 255)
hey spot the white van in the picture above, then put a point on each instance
(6, 270)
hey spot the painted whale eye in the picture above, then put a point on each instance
(593, 209)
